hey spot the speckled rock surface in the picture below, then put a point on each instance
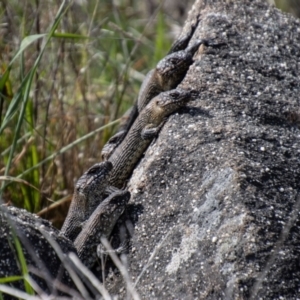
(41, 258)
(216, 196)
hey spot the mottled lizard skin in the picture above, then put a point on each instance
(141, 133)
(168, 73)
(100, 224)
(88, 194)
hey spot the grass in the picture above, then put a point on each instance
(67, 72)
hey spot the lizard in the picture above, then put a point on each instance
(34, 233)
(168, 73)
(149, 92)
(182, 43)
(139, 137)
(88, 193)
(143, 130)
(100, 224)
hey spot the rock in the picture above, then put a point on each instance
(218, 191)
(32, 232)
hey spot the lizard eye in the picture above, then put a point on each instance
(174, 94)
(93, 170)
(173, 61)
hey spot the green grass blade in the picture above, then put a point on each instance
(32, 160)
(11, 279)
(13, 107)
(23, 264)
(26, 42)
(161, 43)
(71, 36)
(4, 78)
(26, 86)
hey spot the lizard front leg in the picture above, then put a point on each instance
(151, 131)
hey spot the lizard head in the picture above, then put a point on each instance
(172, 69)
(168, 102)
(94, 179)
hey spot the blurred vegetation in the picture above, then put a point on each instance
(290, 6)
(66, 70)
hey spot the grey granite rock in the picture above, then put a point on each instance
(218, 190)
(33, 234)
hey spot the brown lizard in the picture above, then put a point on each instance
(36, 236)
(89, 192)
(132, 113)
(168, 73)
(100, 224)
(141, 133)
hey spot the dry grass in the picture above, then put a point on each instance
(88, 75)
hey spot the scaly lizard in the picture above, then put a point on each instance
(131, 114)
(168, 73)
(32, 230)
(141, 133)
(89, 192)
(100, 224)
